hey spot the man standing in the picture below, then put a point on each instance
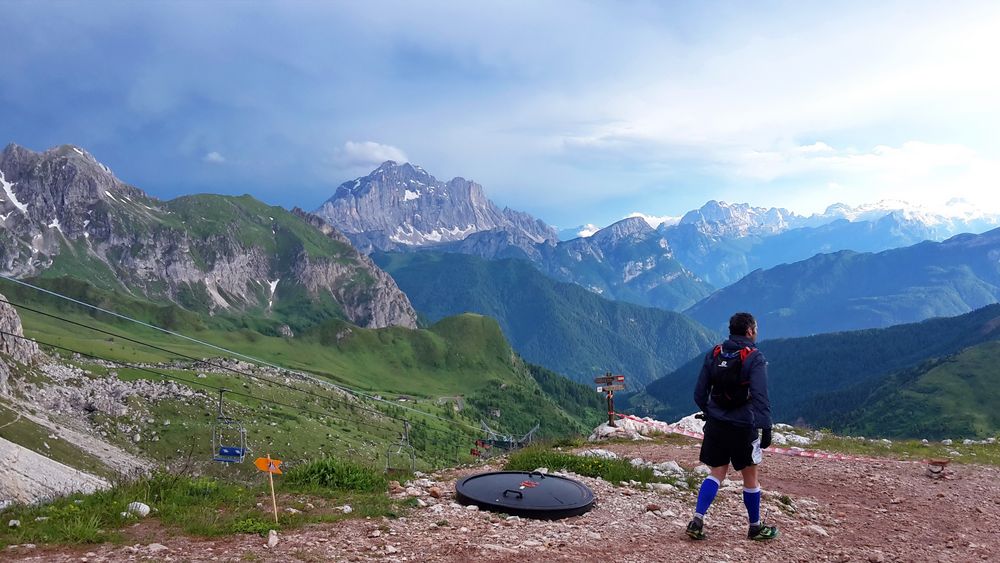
(732, 392)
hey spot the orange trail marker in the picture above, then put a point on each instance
(270, 466)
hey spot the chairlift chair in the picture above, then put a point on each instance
(229, 437)
(404, 452)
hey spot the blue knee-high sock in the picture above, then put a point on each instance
(751, 498)
(706, 494)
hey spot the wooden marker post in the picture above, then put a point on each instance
(270, 466)
(609, 384)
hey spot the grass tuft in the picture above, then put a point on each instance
(611, 470)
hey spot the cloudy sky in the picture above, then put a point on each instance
(577, 112)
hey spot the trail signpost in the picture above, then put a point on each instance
(609, 383)
(270, 466)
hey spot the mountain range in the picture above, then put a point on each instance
(65, 214)
(401, 207)
(849, 290)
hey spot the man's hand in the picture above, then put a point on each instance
(765, 438)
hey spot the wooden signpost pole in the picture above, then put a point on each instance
(274, 500)
(270, 466)
(611, 409)
(609, 384)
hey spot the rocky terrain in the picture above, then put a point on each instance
(13, 350)
(826, 511)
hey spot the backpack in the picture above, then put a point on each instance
(729, 388)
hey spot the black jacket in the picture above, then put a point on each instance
(754, 414)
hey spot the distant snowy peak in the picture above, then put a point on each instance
(737, 220)
(957, 216)
(401, 204)
(877, 210)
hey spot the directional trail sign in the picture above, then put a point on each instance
(606, 388)
(268, 465)
(609, 379)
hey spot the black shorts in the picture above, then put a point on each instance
(725, 444)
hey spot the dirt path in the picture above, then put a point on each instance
(843, 511)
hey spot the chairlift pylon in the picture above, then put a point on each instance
(229, 437)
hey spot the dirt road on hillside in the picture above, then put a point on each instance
(841, 511)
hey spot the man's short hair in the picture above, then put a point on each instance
(740, 323)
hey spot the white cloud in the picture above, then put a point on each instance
(213, 158)
(925, 173)
(655, 221)
(368, 153)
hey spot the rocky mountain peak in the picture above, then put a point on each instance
(402, 204)
(47, 198)
(719, 218)
(629, 228)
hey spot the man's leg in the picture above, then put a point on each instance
(706, 494)
(709, 488)
(751, 494)
(751, 499)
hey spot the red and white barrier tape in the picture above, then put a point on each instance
(794, 452)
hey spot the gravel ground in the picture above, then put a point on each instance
(840, 511)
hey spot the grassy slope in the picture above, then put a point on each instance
(952, 396)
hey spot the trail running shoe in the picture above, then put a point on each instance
(695, 529)
(761, 533)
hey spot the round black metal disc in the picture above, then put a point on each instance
(532, 495)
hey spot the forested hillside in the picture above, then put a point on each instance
(944, 397)
(558, 325)
(804, 373)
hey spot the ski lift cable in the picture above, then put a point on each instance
(228, 351)
(192, 358)
(195, 382)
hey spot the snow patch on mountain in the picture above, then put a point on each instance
(273, 285)
(8, 189)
